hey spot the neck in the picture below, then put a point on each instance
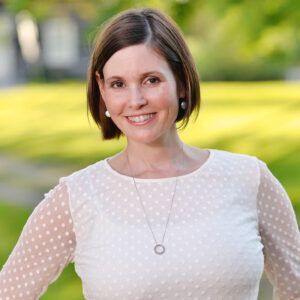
(164, 155)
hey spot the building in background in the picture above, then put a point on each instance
(240, 41)
(10, 64)
(64, 52)
(53, 49)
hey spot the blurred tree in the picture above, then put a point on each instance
(44, 9)
(230, 39)
(247, 39)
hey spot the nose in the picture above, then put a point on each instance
(136, 98)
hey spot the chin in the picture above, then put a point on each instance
(143, 138)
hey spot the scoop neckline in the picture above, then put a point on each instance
(198, 170)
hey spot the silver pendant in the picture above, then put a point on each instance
(159, 249)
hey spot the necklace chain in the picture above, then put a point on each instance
(159, 247)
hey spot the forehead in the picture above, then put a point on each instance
(135, 59)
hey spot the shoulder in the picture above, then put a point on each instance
(235, 157)
(85, 174)
(242, 168)
(82, 185)
(238, 163)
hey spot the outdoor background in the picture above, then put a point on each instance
(248, 56)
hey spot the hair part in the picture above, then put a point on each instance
(142, 26)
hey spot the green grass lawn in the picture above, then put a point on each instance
(48, 123)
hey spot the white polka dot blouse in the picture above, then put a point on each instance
(231, 220)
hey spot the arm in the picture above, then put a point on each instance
(280, 236)
(45, 246)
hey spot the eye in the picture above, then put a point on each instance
(116, 84)
(153, 80)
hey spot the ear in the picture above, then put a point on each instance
(101, 84)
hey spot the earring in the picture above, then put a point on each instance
(183, 103)
(107, 113)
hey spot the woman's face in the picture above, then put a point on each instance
(140, 92)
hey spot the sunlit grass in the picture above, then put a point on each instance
(48, 122)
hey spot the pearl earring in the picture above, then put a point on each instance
(107, 113)
(183, 103)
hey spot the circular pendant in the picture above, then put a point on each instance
(159, 249)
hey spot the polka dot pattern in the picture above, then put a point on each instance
(231, 219)
(280, 236)
(45, 246)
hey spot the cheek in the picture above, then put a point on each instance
(114, 102)
(163, 97)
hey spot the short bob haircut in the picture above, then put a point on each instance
(142, 26)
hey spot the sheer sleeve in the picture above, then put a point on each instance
(45, 246)
(280, 236)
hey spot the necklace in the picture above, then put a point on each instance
(159, 248)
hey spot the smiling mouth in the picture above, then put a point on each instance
(140, 118)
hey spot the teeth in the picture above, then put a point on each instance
(142, 118)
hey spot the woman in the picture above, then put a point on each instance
(161, 219)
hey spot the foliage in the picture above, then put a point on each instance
(230, 39)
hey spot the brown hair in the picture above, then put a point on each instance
(142, 26)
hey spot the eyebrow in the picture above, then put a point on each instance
(143, 75)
